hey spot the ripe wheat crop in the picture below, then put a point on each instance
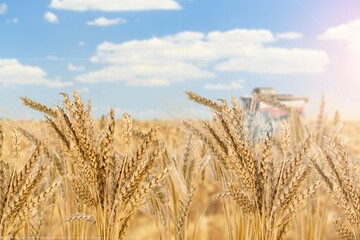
(238, 175)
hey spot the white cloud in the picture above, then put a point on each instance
(3, 8)
(195, 55)
(186, 46)
(81, 43)
(12, 72)
(115, 5)
(221, 86)
(74, 68)
(102, 22)
(51, 57)
(156, 74)
(83, 90)
(150, 82)
(278, 61)
(51, 17)
(12, 21)
(241, 36)
(348, 33)
(57, 84)
(289, 36)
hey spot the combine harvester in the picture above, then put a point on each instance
(278, 106)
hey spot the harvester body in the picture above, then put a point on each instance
(294, 103)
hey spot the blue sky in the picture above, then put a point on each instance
(140, 56)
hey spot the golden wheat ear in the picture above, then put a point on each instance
(203, 101)
(268, 191)
(20, 193)
(111, 187)
(39, 107)
(127, 123)
(1, 140)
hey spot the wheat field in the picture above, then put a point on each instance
(239, 175)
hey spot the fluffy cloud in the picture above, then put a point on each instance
(221, 86)
(52, 57)
(155, 74)
(115, 5)
(83, 90)
(149, 82)
(12, 72)
(102, 22)
(12, 21)
(186, 46)
(195, 55)
(289, 36)
(278, 61)
(51, 17)
(74, 68)
(348, 33)
(3, 8)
